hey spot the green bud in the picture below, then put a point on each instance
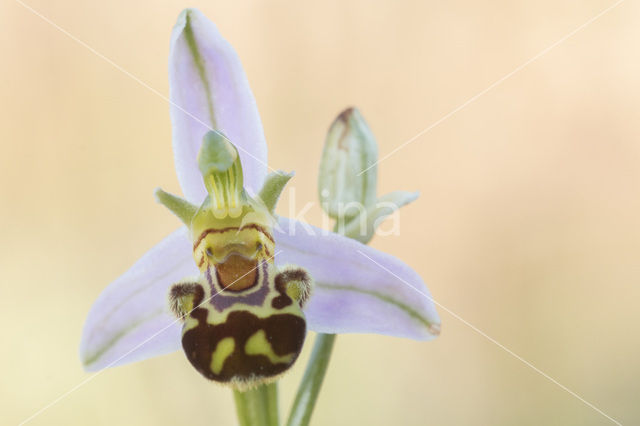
(349, 149)
(348, 175)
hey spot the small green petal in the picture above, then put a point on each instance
(180, 207)
(273, 187)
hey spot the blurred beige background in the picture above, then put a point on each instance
(528, 224)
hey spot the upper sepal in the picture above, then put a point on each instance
(208, 90)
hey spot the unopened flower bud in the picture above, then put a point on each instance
(347, 181)
(348, 176)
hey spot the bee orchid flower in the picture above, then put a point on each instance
(357, 289)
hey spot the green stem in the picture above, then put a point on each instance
(272, 404)
(242, 408)
(309, 388)
(312, 381)
(257, 407)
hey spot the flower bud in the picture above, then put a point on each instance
(348, 175)
(347, 181)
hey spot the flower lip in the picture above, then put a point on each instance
(224, 254)
(237, 272)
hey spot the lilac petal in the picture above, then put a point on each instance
(209, 90)
(131, 320)
(357, 289)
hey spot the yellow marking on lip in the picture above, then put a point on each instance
(224, 348)
(258, 344)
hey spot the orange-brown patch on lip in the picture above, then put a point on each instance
(237, 273)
